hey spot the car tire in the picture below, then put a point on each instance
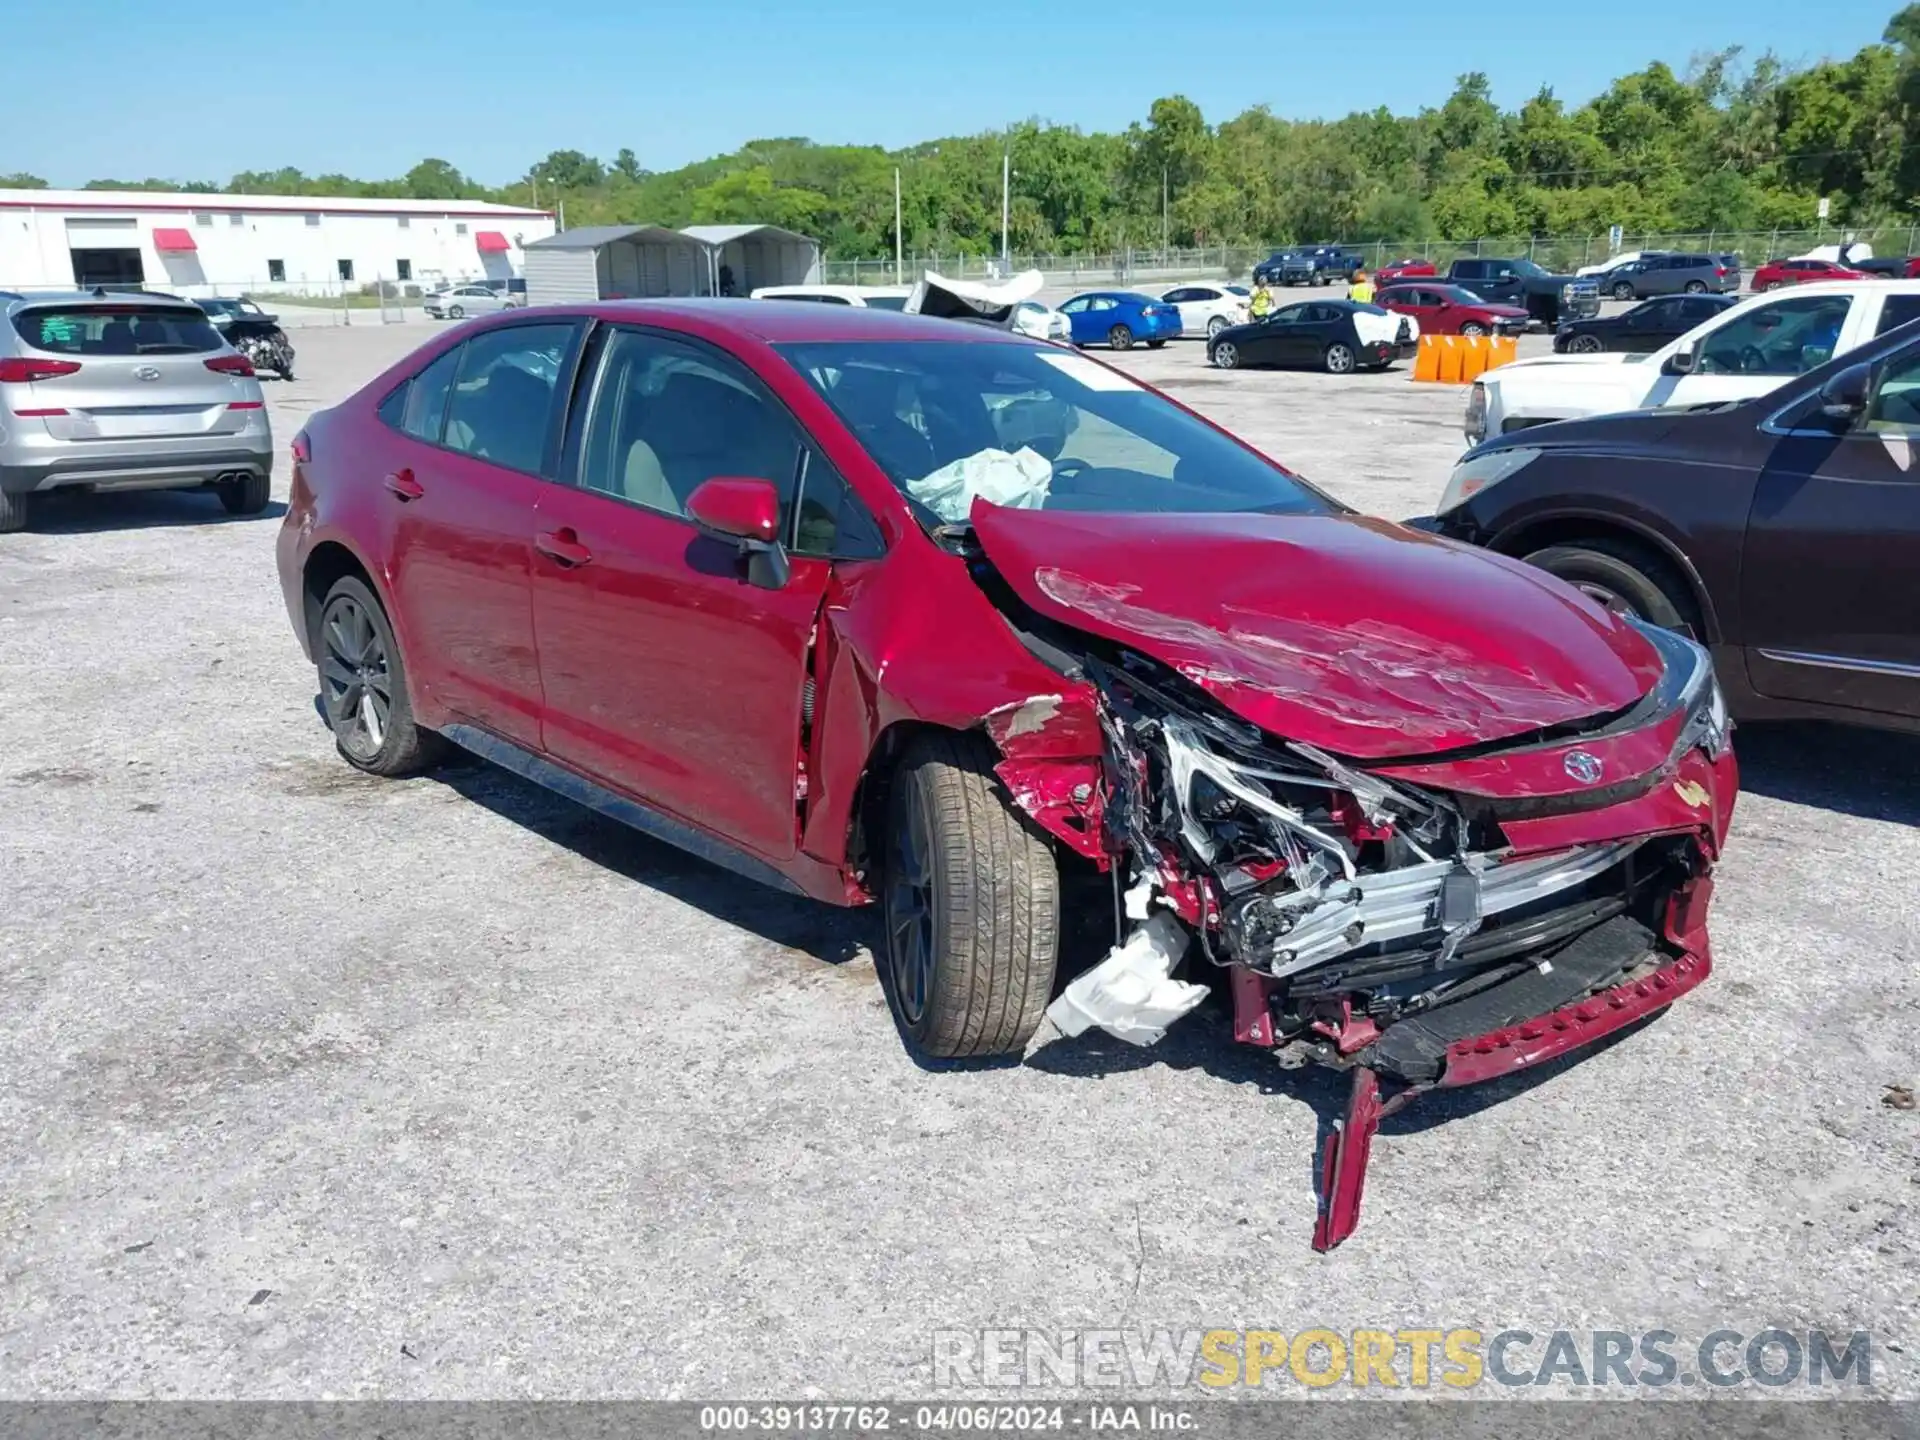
(1339, 359)
(1215, 326)
(247, 495)
(15, 511)
(1623, 291)
(1155, 344)
(1225, 355)
(1696, 287)
(1584, 345)
(1772, 285)
(1120, 338)
(355, 651)
(1624, 577)
(1473, 327)
(456, 312)
(971, 895)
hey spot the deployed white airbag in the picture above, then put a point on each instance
(1132, 994)
(1019, 481)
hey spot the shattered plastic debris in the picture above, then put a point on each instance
(1132, 994)
(1019, 481)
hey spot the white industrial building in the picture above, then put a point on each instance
(261, 244)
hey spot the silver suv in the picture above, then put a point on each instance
(107, 391)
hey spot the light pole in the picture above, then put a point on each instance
(1163, 214)
(1006, 206)
(899, 243)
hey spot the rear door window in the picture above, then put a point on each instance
(117, 330)
(423, 401)
(1897, 310)
(503, 405)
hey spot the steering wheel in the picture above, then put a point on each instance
(1753, 360)
(1069, 469)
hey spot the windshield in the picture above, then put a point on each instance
(1038, 428)
(1527, 267)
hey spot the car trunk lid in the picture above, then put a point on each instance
(1348, 633)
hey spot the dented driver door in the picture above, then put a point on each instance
(670, 671)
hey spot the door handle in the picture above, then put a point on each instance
(402, 483)
(563, 547)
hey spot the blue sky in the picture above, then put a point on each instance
(492, 85)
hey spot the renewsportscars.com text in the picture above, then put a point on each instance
(1418, 1359)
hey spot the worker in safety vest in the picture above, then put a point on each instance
(1361, 290)
(1261, 305)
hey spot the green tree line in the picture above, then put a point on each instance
(1730, 144)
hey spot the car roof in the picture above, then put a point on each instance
(75, 299)
(780, 322)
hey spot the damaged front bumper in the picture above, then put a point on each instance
(1423, 924)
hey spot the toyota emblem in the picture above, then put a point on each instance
(145, 372)
(1583, 767)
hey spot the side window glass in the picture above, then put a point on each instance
(830, 520)
(502, 407)
(1896, 401)
(1786, 338)
(1287, 316)
(426, 402)
(1897, 310)
(668, 416)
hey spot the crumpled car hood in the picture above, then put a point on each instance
(1351, 634)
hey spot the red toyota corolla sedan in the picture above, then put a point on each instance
(888, 609)
(1452, 310)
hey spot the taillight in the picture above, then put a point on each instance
(21, 371)
(246, 405)
(302, 448)
(231, 365)
(1720, 273)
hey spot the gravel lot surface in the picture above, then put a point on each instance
(317, 1085)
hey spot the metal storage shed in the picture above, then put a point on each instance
(759, 255)
(615, 262)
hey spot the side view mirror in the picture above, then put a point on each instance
(1681, 362)
(746, 510)
(1844, 396)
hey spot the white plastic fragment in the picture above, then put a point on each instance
(1132, 994)
(1020, 480)
(1138, 899)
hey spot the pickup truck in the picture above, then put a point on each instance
(1546, 297)
(1746, 350)
(1313, 265)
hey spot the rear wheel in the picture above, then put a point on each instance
(1625, 578)
(1215, 326)
(1696, 287)
(972, 901)
(247, 495)
(456, 312)
(1120, 338)
(1225, 355)
(1772, 285)
(1623, 291)
(1339, 359)
(14, 512)
(363, 686)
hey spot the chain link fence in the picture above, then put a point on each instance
(298, 303)
(1236, 262)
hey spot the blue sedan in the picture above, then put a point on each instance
(1119, 318)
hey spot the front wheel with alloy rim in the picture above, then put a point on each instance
(1473, 327)
(1339, 359)
(1120, 338)
(363, 686)
(1584, 345)
(1624, 577)
(1623, 291)
(972, 905)
(1225, 355)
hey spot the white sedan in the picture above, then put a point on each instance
(1206, 310)
(463, 300)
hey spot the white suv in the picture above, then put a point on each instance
(1746, 350)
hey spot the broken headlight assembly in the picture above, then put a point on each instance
(1698, 695)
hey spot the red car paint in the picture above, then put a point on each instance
(1403, 270)
(1457, 311)
(1775, 273)
(1351, 634)
(624, 645)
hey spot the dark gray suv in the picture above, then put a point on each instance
(1672, 275)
